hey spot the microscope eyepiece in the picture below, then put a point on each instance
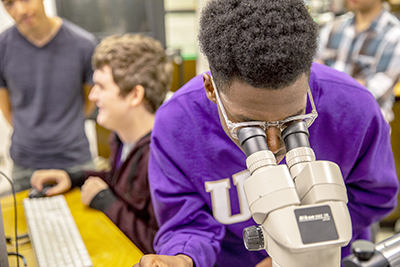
(252, 139)
(296, 135)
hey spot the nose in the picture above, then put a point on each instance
(274, 139)
(93, 93)
(20, 8)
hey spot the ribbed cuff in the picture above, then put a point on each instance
(77, 178)
(103, 200)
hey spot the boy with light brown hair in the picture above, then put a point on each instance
(132, 76)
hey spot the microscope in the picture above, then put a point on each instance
(300, 207)
(367, 254)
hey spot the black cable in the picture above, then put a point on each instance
(15, 213)
(18, 256)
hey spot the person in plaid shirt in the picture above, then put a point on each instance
(365, 43)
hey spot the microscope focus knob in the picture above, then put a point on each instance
(253, 238)
(363, 249)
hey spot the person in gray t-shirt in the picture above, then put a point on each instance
(45, 77)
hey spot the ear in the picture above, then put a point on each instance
(208, 86)
(136, 96)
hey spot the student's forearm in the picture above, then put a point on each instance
(88, 105)
(362, 81)
(5, 106)
(89, 108)
(8, 116)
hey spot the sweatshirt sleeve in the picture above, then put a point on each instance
(186, 223)
(372, 183)
(77, 178)
(103, 200)
(358, 140)
(137, 225)
(352, 133)
(128, 204)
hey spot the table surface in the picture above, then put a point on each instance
(106, 244)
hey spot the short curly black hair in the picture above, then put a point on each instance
(264, 43)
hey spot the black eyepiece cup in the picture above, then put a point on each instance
(252, 139)
(296, 135)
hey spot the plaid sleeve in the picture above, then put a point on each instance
(323, 41)
(381, 81)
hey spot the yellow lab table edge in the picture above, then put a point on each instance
(106, 244)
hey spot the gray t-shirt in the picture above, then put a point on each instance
(45, 87)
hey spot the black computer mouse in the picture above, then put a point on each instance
(34, 193)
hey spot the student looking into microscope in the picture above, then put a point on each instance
(260, 55)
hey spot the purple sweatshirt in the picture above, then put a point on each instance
(196, 172)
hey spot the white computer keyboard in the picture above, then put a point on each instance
(54, 235)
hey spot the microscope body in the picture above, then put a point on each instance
(300, 209)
